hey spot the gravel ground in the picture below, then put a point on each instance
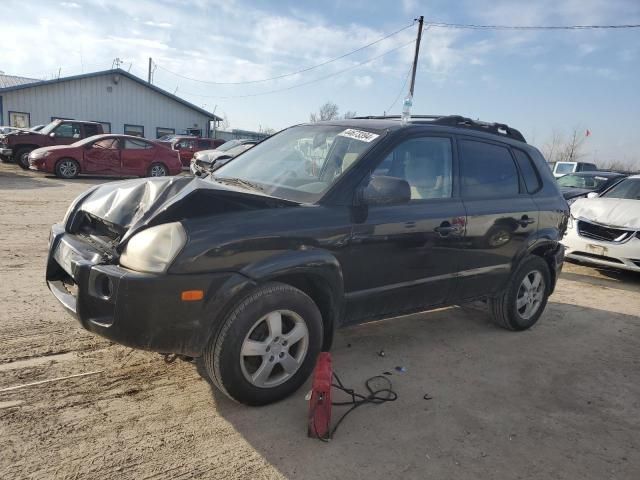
(561, 401)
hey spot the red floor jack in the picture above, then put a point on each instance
(320, 402)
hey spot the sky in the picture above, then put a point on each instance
(536, 81)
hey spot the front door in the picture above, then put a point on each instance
(404, 257)
(67, 133)
(102, 156)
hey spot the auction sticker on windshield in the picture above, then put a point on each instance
(359, 135)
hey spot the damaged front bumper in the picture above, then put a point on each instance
(138, 310)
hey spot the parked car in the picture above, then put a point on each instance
(121, 155)
(605, 231)
(255, 266)
(207, 161)
(16, 146)
(563, 168)
(578, 185)
(187, 146)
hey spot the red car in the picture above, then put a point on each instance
(121, 155)
(187, 145)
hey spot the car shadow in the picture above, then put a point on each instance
(611, 278)
(469, 392)
(10, 180)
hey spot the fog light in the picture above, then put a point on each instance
(104, 286)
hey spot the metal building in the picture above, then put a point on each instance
(120, 101)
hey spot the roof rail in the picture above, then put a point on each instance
(457, 121)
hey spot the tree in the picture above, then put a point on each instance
(349, 114)
(224, 123)
(328, 111)
(266, 130)
(561, 149)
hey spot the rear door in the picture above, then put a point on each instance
(137, 156)
(501, 216)
(186, 147)
(405, 257)
(102, 156)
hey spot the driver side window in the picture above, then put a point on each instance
(68, 130)
(425, 163)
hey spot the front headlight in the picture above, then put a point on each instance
(153, 249)
(46, 153)
(571, 200)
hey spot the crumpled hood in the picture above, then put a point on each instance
(615, 212)
(210, 156)
(132, 205)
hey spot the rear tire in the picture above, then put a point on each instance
(157, 170)
(67, 168)
(267, 345)
(22, 157)
(520, 306)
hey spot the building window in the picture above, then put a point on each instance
(135, 130)
(161, 131)
(19, 119)
(106, 126)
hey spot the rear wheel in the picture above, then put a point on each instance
(22, 157)
(266, 346)
(158, 170)
(519, 307)
(67, 168)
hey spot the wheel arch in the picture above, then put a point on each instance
(55, 165)
(552, 253)
(317, 273)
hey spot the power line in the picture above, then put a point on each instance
(305, 83)
(529, 27)
(404, 84)
(291, 73)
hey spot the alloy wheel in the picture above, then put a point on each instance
(158, 171)
(274, 349)
(68, 168)
(530, 294)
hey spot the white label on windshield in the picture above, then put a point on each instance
(359, 135)
(600, 178)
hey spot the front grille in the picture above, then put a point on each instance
(599, 232)
(597, 257)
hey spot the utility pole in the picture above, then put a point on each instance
(415, 58)
(149, 76)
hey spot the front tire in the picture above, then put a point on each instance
(267, 345)
(67, 168)
(520, 306)
(22, 157)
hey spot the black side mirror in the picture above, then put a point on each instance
(386, 191)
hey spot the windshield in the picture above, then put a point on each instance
(628, 188)
(228, 145)
(562, 167)
(300, 163)
(46, 130)
(583, 181)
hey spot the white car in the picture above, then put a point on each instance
(606, 230)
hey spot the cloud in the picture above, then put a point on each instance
(363, 81)
(151, 23)
(69, 5)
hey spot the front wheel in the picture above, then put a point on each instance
(22, 157)
(67, 168)
(519, 307)
(266, 346)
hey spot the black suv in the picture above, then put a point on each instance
(318, 227)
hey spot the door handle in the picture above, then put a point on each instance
(525, 220)
(446, 228)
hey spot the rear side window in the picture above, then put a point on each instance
(90, 130)
(528, 171)
(487, 170)
(203, 144)
(131, 144)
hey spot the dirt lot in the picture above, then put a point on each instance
(561, 401)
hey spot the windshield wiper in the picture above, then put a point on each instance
(239, 182)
